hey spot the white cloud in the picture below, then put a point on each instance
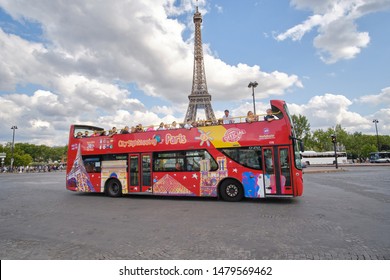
(328, 110)
(83, 61)
(340, 40)
(383, 116)
(102, 41)
(219, 8)
(382, 98)
(39, 124)
(19, 63)
(335, 22)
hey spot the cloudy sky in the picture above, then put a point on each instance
(116, 63)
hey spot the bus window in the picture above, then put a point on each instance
(246, 156)
(268, 161)
(92, 164)
(188, 160)
(134, 171)
(298, 148)
(285, 166)
(146, 175)
(213, 163)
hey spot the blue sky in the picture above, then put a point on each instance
(125, 62)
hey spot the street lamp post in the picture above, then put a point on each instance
(12, 147)
(334, 141)
(253, 85)
(376, 129)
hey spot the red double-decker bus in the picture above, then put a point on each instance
(231, 161)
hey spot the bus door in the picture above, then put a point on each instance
(140, 175)
(285, 170)
(277, 170)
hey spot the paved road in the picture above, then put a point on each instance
(343, 215)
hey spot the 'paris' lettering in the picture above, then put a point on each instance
(175, 139)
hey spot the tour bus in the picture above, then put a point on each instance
(229, 161)
(380, 157)
(312, 157)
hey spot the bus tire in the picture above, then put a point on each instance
(231, 190)
(113, 188)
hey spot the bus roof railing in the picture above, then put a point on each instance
(200, 123)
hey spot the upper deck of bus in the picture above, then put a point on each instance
(218, 136)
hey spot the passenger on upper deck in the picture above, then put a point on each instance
(139, 128)
(150, 128)
(79, 134)
(194, 124)
(161, 126)
(96, 133)
(269, 117)
(226, 118)
(250, 117)
(86, 134)
(112, 132)
(188, 124)
(173, 125)
(125, 130)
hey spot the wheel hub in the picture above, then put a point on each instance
(231, 190)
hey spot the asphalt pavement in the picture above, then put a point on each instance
(341, 215)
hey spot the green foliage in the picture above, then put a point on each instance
(25, 154)
(301, 126)
(357, 145)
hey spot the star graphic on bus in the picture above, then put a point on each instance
(204, 137)
(234, 170)
(195, 176)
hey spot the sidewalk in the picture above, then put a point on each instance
(342, 167)
(322, 169)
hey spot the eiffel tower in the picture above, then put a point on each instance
(199, 97)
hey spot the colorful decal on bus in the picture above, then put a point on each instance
(114, 169)
(168, 185)
(233, 135)
(78, 176)
(254, 184)
(204, 137)
(209, 180)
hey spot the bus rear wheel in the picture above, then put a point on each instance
(114, 188)
(231, 190)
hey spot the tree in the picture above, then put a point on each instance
(321, 140)
(367, 149)
(301, 126)
(25, 153)
(22, 159)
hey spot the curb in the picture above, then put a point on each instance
(324, 170)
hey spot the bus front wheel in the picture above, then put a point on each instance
(114, 188)
(231, 190)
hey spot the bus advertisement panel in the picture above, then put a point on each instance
(231, 161)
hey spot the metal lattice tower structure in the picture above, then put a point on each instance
(199, 97)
